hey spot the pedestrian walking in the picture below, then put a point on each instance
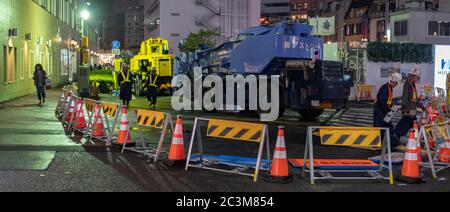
(39, 77)
(409, 104)
(125, 83)
(383, 106)
(151, 84)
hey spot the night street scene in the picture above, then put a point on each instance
(251, 97)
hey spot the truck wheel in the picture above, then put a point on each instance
(310, 115)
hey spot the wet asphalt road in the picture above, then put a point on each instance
(36, 155)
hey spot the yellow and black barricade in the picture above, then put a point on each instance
(153, 120)
(108, 112)
(436, 133)
(228, 130)
(365, 92)
(348, 137)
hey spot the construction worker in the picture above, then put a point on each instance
(409, 104)
(151, 84)
(384, 104)
(124, 80)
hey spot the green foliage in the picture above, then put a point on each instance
(104, 78)
(195, 40)
(400, 52)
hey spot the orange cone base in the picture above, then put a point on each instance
(282, 180)
(410, 180)
(175, 163)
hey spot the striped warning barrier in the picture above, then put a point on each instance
(235, 130)
(436, 134)
(230, 131)
(153, 120)
(365, 92)
(354, 169)
(353, 137)
(105, 113)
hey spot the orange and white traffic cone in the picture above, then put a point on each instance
(176, 153)
(411, 170)
(81, 121)
(444, 152)
(279, 171)
(98, 131)
(124, 136)
(416, 135)
(71, 112)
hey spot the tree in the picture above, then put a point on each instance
(196, 40)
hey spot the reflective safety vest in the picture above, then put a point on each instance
(390, 96)
(153, 81)
(127, 78)
(414, 97)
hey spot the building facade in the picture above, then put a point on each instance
(275, 10)
(433, 16)
(174, 20)
(124, 23)
(134, 25)
(303, 9)
(45, 32)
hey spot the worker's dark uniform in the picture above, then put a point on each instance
(381, 108)
(125, 82)
(409, 109)
(151, 84)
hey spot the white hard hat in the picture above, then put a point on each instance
(415, 72)
(395, 77)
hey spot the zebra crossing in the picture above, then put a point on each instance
(357, 117)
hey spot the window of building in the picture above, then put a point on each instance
(10, 65)
(31, 63)
(50, 66)
(401, 28)
(21, 65)
(438, 28)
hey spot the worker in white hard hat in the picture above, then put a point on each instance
(409, 104)
(384, 104)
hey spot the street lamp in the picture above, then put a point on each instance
(85, 15)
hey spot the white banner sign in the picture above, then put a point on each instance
(442, 66)
(323, 26)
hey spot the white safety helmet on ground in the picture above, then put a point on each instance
(395, 77)
(415, 72)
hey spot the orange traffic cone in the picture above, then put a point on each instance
(410, 170)
(176, 154)
(124, 136)
(98, 130)
(81, 121)
(444, 152)
(71, 112)
(416, 135)
(279, 172)
(369, 95)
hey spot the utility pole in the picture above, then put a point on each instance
(387, 21)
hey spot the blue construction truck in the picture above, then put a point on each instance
(308, 85)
